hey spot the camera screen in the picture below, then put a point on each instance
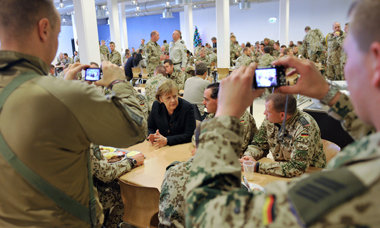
(266, 77)
(92, 74)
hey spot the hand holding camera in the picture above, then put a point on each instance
(111, 72)
(311, 83)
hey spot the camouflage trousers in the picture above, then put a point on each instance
(110, 198)
(334, 72)
(317, 57)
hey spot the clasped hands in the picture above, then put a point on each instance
(157, 140)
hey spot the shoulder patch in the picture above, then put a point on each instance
(313, 197)
(304, 121)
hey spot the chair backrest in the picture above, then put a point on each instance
(144, 73)
(330, 149)
(142, 203)
(222, 72)
(136, 71)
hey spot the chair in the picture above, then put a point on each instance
(142, 204)
(222, 73)
(144, 74)
(136, 74)
(330, 149)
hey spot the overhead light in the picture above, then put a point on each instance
(63, 20)
(134, 2)
(182, 2)
(107, 12)
(195, 6)
(167, 13)
(137, 8)
(167, 4)
(244, 4)
(103, 7)
(236, 1)
(61, 5)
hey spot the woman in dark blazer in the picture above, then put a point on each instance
(171, 120)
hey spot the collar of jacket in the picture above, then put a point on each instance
(10, 59)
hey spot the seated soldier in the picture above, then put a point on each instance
(176, 75)
(210, 100)
(105, 177)
(195, 87)
(245, 59)
(295, 146)
(153, 83)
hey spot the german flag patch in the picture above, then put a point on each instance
(268, 210)
(305, 135)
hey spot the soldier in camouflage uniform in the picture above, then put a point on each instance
(343, 55)
(297, 147)
(312, 45)
(106, 181)
(166, 46)
(266, 59)
(334, 50)
(345, 195)
(114, 56)
(177, 76)
(104, 52)
(152, 85)
(203, 57)
(234, 49)
(276, 50)
(210, 100)
(153, 53)
(245, 59)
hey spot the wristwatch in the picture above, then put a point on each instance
(133, 162)
(333, 90)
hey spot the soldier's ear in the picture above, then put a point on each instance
(282, 114)
(44, 29)
(375, 63)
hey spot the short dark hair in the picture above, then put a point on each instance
(267, 49)
(200, 68)
(214, 90)
(19, 17)
(165, 41)
(307, 28)
(213, 38)
(168, 61)
(152, 34)
(279, 101)
(112, 43)
(364, 25)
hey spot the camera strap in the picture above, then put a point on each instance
(70, 205)
(281, 133)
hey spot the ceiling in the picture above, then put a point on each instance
(134, 8)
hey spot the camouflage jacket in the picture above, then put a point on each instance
(172, 202)
(153, 53)
(115, 58)
(179, 77)
(300, 147)
(334, 48)
(312, 42)
(265, 60)
(151, 87)
(249, 129)
(347, 194)
(166, 47)
(205, 59)
(234, 50)
(243, 60)
(104, 51)
(343, 111)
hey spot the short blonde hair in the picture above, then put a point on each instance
(166, 87)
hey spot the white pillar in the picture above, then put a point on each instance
(87, 30)
(114, 23)
(284, 22)
(188, 15)
(223, 32)
(123, 26)
(74, 31)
